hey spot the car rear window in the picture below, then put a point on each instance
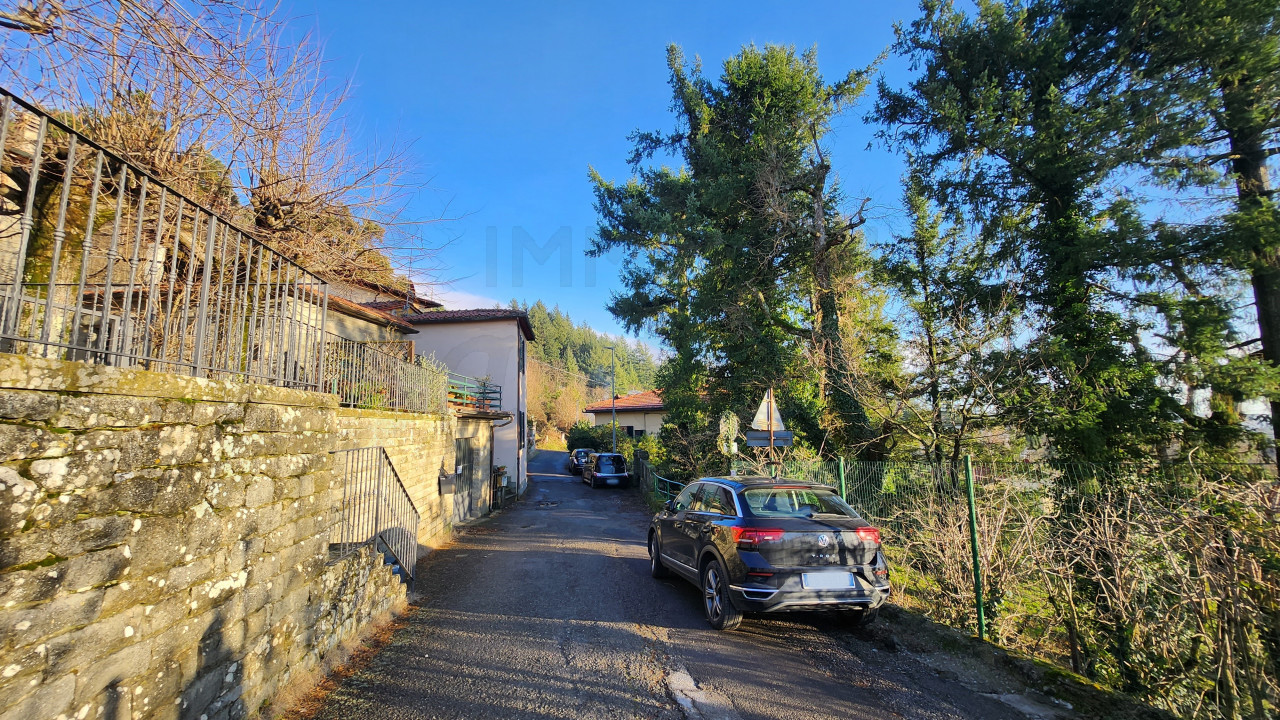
(795, 502)
(610, 464)
(580, 454)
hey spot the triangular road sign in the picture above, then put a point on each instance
(767, 409)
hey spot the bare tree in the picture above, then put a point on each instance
(232, 105)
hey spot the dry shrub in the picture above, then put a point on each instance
(1161, 581)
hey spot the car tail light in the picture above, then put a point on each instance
(751, 537)
(868, 535)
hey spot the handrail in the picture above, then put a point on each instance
(376, 510)
(365, 375)
(661, 487)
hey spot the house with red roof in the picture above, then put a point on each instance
(638, 414)
(367, 312)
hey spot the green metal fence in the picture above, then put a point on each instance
(645, 476)
(1162, 580)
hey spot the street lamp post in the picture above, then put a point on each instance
(613, 393)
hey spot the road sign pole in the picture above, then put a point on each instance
(844, 495)
(773, 457)
(613, 393)
(973, 543)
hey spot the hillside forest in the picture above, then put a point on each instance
(570, 367)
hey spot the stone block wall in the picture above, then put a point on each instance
(419, 446)
(164, 543)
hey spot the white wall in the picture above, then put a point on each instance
(649, 421)
(485, 349)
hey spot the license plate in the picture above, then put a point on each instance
(611, 481)
(828, 581)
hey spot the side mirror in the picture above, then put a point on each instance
(669, 505)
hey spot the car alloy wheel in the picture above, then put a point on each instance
(721, 613)
(863, 618)
(656, 568)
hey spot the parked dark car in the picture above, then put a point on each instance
(606, 469)
(578, 459)
(755, 544)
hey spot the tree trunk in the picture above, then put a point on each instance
(841, 408)
(1249, 165)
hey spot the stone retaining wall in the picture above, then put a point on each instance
(418, 446)
(164, 542)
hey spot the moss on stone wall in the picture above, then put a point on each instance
(164, 540)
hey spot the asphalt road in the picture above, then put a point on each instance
(548, 611)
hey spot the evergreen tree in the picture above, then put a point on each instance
(1023, 114)
(729, 257)
(581, 351)
(1217, 64)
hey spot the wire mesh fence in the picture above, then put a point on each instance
(376, 509)
(1158, 579)
(100, 262)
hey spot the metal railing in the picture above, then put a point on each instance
(476, 394)
(376, 510)
(365, 375)
(102, 263)
(661, 487)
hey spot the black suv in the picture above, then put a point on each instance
(578, 459)
(755, 544)
(605, 469)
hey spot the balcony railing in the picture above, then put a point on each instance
(474, 394)
(366, 375)
(102, 263)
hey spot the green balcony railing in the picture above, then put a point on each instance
(474, 394)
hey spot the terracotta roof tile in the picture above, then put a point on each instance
(647, 400)
(337, 303)
(393, 305)
(478, 315)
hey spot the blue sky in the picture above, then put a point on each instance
(507, 107)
